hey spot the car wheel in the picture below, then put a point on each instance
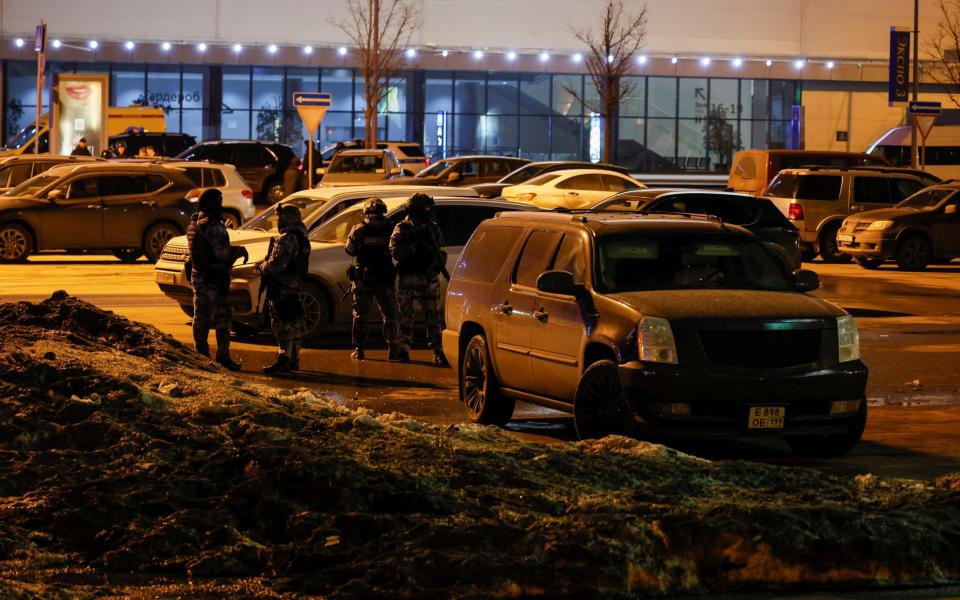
(914, 253)
(829, 250)
(273, 192)
(832, 446)
(231, 220)
(479, 389)
(316, 310)
(600, 406)
(868, 263)
(16, 243)
(128, 255)
(157, 237)
(808, 255)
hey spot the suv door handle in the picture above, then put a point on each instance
(573, 194)
(148, 203)
(503, 309)
(541, 315)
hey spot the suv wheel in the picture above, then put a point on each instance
(231, 220)
(157, 237)
(914, 253)
(16, 243)
(600, 407)
(128, 255)
(829, 250)
(316, 310)
(868, 263)
(273, 192)
(478, 386)
(832, 446)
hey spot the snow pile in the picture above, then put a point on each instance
(122, 452)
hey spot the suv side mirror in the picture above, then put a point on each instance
(806, 280)
(557, 282)
(321, 171)
(396, 171)
(53, 195)
(453, 177)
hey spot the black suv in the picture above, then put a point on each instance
(922, 229)
(535, 169)
(147, 144)
(261, 164)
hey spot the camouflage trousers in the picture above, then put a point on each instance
(424, 289)
(363, 294)
(211, 309)
(289, 335)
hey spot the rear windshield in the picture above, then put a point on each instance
(640, 261)
(805, 187)
(411, 150)
(357, 163)
(925, 199)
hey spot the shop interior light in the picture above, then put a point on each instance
(510, 55)
(577, 57)
(642, 59)
(738, 62)
(544, 57)
(202, 47)
(129, 45)
(769, 63)
(57, 43)
(342, 51)
(830, 64)
(674, 60)
(272, 48)
(93, 44)
(478, 54)
(18, 42)
(308, 49)
(166, 46)
(411, 52)
(237, 48)
(705, 61)
(799, 63)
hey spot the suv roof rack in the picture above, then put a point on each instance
(877, 168)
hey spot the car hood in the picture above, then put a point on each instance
(886, 214)
(727, 304)
(238, 237)
(344, 179)
(320, 253)
(16, 202)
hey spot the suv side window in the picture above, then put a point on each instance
(155, 182)
(818, 187)
(902, 188)
(468, 168)
(533, 259)
(495, 168)
(122, 185)
(22, 172)
(457, 223)
(215, 178)
(871, 189)
(251, 155)
(484, 256)
(195, 176)
(571, 258)
(84, 187)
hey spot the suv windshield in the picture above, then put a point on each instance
(336, 230)
(925, 199)
(357, 163)
(33, 185)
(636, 262)
(267, 220)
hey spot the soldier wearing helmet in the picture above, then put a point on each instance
(282, 273)
(372, 275)
(417, 246)
(208, 269)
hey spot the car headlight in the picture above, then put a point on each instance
(848, 339)
(655, 341)
(879, 225)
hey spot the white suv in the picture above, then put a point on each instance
(237, 196)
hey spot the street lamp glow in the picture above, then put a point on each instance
(411, 53)
(642, 59)
(830, 64)
(705, 61)
(610, 59)
(478, 54)
(57, 43)
(799, 63)
(93, 44)
(510, 55)
(237, 48)
(272, 48)
(577, 57)
(129, 45)
(544, 57)
(166, 46)
(445, 53)
(202, 47)
(769, 63)
(18, 42)
(674, 60)
(308, 49)
(738, 62)
(342, 51)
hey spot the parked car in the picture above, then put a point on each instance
(531, 170)
(571, 189)
(130, 209)
(651, 325)
(323, 292)
(16, 169)
(152, 143)
(360, 167)
(923, 229)
(409, 154)
(261, 164)
(752, 170)
(464, 170)
(237, 196)
(817, 200)
(757, 215)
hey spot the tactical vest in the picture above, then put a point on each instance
(422, 261)
(201, 252)
(373, 249)
(299, 266)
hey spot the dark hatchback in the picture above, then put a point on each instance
(535, 169)
(461, 171)
(129, 209)
(757, 215)
(261, 164)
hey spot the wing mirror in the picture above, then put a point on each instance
(396, 171)
(558, 282)
(54, 195)
(805, 280)
(453, 177)
(321, 171)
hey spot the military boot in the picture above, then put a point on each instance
(440, 360)
(228, 363)
(281, 366)
(357, 354)
(293, 354)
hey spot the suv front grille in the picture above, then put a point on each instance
(175, 253)
(860, 226)
(753, 349)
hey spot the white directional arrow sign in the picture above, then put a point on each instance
(311, 106)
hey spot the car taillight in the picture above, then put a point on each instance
(247, 193)
(193, 194)
(426, 162)
(795, 212)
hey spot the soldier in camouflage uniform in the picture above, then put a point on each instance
(373, 275)
(417, 247)
(211, 258)
(282, 272)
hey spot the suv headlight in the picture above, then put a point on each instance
(655, 341)
(848, 339)
(879, 225)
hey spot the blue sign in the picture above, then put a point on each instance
(898, 88)
(924, 108)
(312, 99)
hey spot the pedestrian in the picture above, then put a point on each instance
(291, 176)
(417, 246)
(211, 259)
(81, 148)
(282, 273)
(373, 276)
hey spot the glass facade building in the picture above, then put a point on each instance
(663, 123)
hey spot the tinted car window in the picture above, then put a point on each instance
(251, 155)
(85, 187)
(533, 259)
(195, 175)
(819, 187)
(459, 222)
(484, 256)
(123, 185)
(871, 189)
(468, 168)
(155, 182)
(571, 258)
(582, 182)
(496, 168)
(22, 172)
(727, 210)
(617, 184)
(901, 188)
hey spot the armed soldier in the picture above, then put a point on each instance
(417, 246)
(211, 258)
(372, 276)
(282, 272)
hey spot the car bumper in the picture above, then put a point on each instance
(672, 400)
(451, 346)
(867, 244)
(243, 291)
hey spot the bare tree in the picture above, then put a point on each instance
(611, 54)
(381, 30)
(943, 49)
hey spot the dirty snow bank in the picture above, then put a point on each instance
(122, 452)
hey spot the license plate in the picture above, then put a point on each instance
(766, 417)
(166, 277)
(843, 237)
